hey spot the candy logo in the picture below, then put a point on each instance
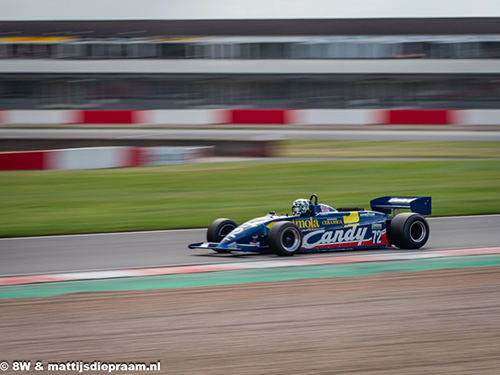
(339, 236)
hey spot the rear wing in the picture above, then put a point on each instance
(421, 205)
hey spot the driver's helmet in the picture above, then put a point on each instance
(300, 207)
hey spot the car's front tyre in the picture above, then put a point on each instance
(219, 229)
(284, 238)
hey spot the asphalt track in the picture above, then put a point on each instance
(257, 133)
(92, 252)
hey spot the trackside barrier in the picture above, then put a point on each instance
(107, 117)
(479, 117)
(255, 116)
(418, 117)
(22, 160)
(337, 117)
(178, 117)
(172, 155)
(100, 157)
(48, 117)
(89, 158)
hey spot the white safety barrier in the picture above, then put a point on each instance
(41, 117)
(336, 117)
(89, 158)
(177, 117)
(479, 117)
(172, 155)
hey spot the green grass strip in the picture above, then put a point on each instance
(390, 149)
(192, 196)
(244, 276)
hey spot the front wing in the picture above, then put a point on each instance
(217, 246)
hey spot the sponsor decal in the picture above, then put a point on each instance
(401, 200)
(255, 240)
(307, 223)
(377, 226)
(353, 217)
(324, 208)
(321, 237)
(332, 222)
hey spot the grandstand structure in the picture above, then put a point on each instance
(251, 64)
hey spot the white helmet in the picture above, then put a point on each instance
(300, 206)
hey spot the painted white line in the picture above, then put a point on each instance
(462, 217)
(92, 275)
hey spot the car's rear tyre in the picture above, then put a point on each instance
(219, 229)
(284, 238)
(408, 231)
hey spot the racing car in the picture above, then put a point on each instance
(316, 227)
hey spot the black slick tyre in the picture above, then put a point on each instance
(219, 229)
(284, 238)
(408, 231)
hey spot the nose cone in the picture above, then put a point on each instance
(248, 232)
(239, 235)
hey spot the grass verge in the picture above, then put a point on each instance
(187, 196)
(391, 149)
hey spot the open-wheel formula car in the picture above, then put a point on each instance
(316, 227)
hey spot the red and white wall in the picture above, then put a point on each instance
(100, 157)
(255, 116)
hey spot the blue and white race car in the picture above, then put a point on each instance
(316, 227)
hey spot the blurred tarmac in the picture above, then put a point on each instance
(114, 251)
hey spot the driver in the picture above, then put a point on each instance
(300, 207)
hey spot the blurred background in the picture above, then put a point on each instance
(252, 55)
